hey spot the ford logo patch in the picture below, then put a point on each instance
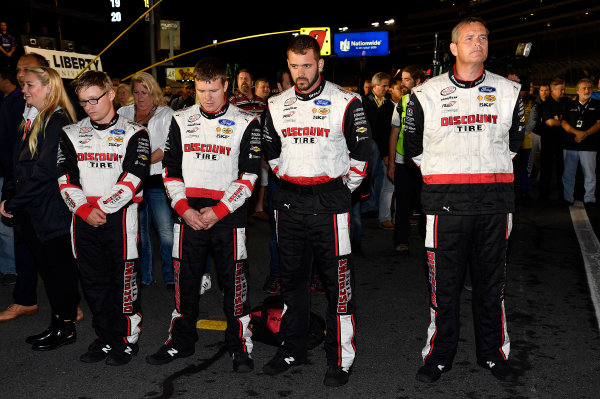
(487, 89)
(322, 103)
(117, 131)
(226, 122)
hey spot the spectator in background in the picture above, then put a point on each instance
(244, 97)
(397, 90)
(366, 90)
(379, 110)
(284, 80)
(124, 96)
(535, 126)
(581, 122)
(168, 95)
(150, 110)
(551, 158)
(31, 196)
(262, 88)
(187, 98)
(11, 114)
(8, 46)
(521, 160)
(9, 86)
(403, 172)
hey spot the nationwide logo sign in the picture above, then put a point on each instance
(361, 44)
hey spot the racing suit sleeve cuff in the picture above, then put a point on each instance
(181, 206)
(84, 211)
(220, 210)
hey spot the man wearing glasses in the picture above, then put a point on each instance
(103, 161)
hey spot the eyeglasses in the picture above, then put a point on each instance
(91, 101)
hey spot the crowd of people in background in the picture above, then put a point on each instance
(560, 134)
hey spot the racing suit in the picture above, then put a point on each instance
(318, 144)
(463, 136)
(104, 167)
(211, 160)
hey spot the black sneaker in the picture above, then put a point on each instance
(97, 351)
(122, 355)
(272, 285)
(242, 363)
(167, 354)
(336, 376)
(500, 369)
(431, 372)
(281, 363)
(317, 286)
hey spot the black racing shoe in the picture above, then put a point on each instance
(242, 363)
(272, 285)
(336, 376)
(317, 286)
(281, 363)
(167, 354)
(97, 351)
(431, 372)
(122, 355)
(500, 369)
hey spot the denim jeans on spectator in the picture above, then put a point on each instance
(588, 166)
(155, 208)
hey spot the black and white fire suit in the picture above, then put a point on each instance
(211, 160)
(318, 144)
(463, 136)
(104, 167)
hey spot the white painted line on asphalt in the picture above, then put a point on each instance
(590, 250)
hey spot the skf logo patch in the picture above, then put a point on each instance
(448, 90)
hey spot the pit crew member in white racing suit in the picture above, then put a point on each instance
(102, 164)
(211, 163)
(462, 129)
(316, 141)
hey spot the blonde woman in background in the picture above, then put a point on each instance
(149, 109)
(124, 96)
(31, 198)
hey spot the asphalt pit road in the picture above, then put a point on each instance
(252, 393)
(284, 394)
(168, 384)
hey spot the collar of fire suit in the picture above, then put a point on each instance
(464, 84)
(217, 114)
(99, 126)
(313, 94)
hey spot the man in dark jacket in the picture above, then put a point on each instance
(379, 109)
